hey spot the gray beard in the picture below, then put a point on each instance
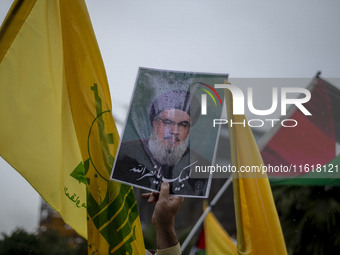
(166, 155)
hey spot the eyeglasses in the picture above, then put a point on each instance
(170, 123)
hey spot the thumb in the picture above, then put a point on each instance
(165, 188)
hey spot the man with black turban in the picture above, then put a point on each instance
(165, 156)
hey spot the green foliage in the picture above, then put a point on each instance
(310, 218)
(44, 243)
(20, 243)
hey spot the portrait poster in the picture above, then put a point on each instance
(169, 133)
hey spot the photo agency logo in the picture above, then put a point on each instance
(283, 101)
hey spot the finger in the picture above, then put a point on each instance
(146, 195)
(165, 188)
(154, 196)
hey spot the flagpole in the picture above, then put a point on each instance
(205, 213)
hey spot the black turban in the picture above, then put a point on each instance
(176, 99)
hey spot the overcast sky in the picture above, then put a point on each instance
(247, 39)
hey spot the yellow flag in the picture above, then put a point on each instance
(217, 240)
(258, 226)
(57, 128)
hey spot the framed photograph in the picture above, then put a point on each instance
(169, 133)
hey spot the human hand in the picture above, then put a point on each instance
(163, 217)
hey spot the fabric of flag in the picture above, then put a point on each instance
(311, 149)
(199, 248)
(57, 128)
(213, 239)
(258, 226)
(217, 240)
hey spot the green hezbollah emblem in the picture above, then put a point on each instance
(112, 217)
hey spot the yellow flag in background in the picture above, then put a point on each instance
(217, 240)
(57, 128)
(258, 226)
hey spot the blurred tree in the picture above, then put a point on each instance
(20, 243)
(49, 242)
(310, 218)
